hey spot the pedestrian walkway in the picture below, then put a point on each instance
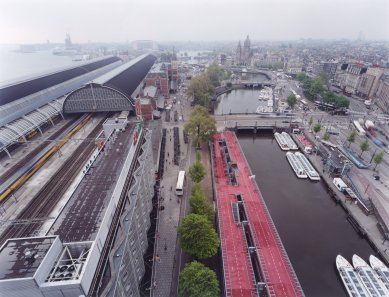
(172, 208)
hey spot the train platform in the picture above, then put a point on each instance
(254, 258)
(14, 205)
(82, 215)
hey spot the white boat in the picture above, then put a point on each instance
(308, 168)
(369, 279)
(281, 142)
(381, 269)
(266, 94)
(296, 166)
(350, 279)
(292, 145)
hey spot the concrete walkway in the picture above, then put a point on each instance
(168, 254)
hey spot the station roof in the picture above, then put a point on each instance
(128, 76)
(17, 90)
(111, 91)
(17, 129)
(20, 258)
(20, 107)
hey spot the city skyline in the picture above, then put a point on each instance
(172, 20)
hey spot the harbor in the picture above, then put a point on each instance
(296, 205)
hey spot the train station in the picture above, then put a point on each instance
(84, 231)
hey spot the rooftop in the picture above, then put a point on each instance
(239, 199)
(81, 218)
(20, 258)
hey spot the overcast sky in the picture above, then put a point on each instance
(29, 21)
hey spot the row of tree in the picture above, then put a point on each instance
(199, 239)
(378, 158)
(317, 88)
(202, 87)
(200, 125)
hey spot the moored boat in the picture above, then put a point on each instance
(296, 166)
(292, 145)
(350, 279)
(369, 279)
(308, 168)
(381, 269)
(281, 141)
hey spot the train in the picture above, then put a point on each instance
(20, 177)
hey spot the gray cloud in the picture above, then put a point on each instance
(119, 21)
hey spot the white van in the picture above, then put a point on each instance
(339, 184)
(296, 131)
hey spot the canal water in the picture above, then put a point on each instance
(312, 227)
(240, 101)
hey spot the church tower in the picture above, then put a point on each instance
(246, 54)
(238, 54)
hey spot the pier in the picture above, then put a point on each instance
(254, 259)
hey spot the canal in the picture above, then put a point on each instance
(313, 228)
(240, 101)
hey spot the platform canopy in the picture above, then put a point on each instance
(112, 91)
(18, 129)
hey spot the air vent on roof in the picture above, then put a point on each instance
(235, 211)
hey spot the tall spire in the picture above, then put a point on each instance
(247, 42)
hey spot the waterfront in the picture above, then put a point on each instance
(312, 227)
(239, 101)
(16, 65)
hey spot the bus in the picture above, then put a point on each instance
(324, 106)
(180, 183)
(359, 128)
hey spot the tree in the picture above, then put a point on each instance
(317, 128)
(197, 171)
(216, 74)
(378, 159)
(302, 77)
(292, 100)
(199, 203)
(364, 147)
(326, 136)
(201, 89)
(310, 121)
(196, 280)
(324, 78)
(197, 236)
(351, 137)
(316, 88)
(200, 125)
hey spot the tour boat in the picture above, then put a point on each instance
(281, 141)
(296, 166)
(308, 168)
(292, 145)
(381, 269)
(350, 278)
(369, 278)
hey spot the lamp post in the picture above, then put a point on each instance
(373, 155)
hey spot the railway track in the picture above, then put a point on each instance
(35, 151)
(45, 200)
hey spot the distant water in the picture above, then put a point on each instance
(239, 101)
(15, 65)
